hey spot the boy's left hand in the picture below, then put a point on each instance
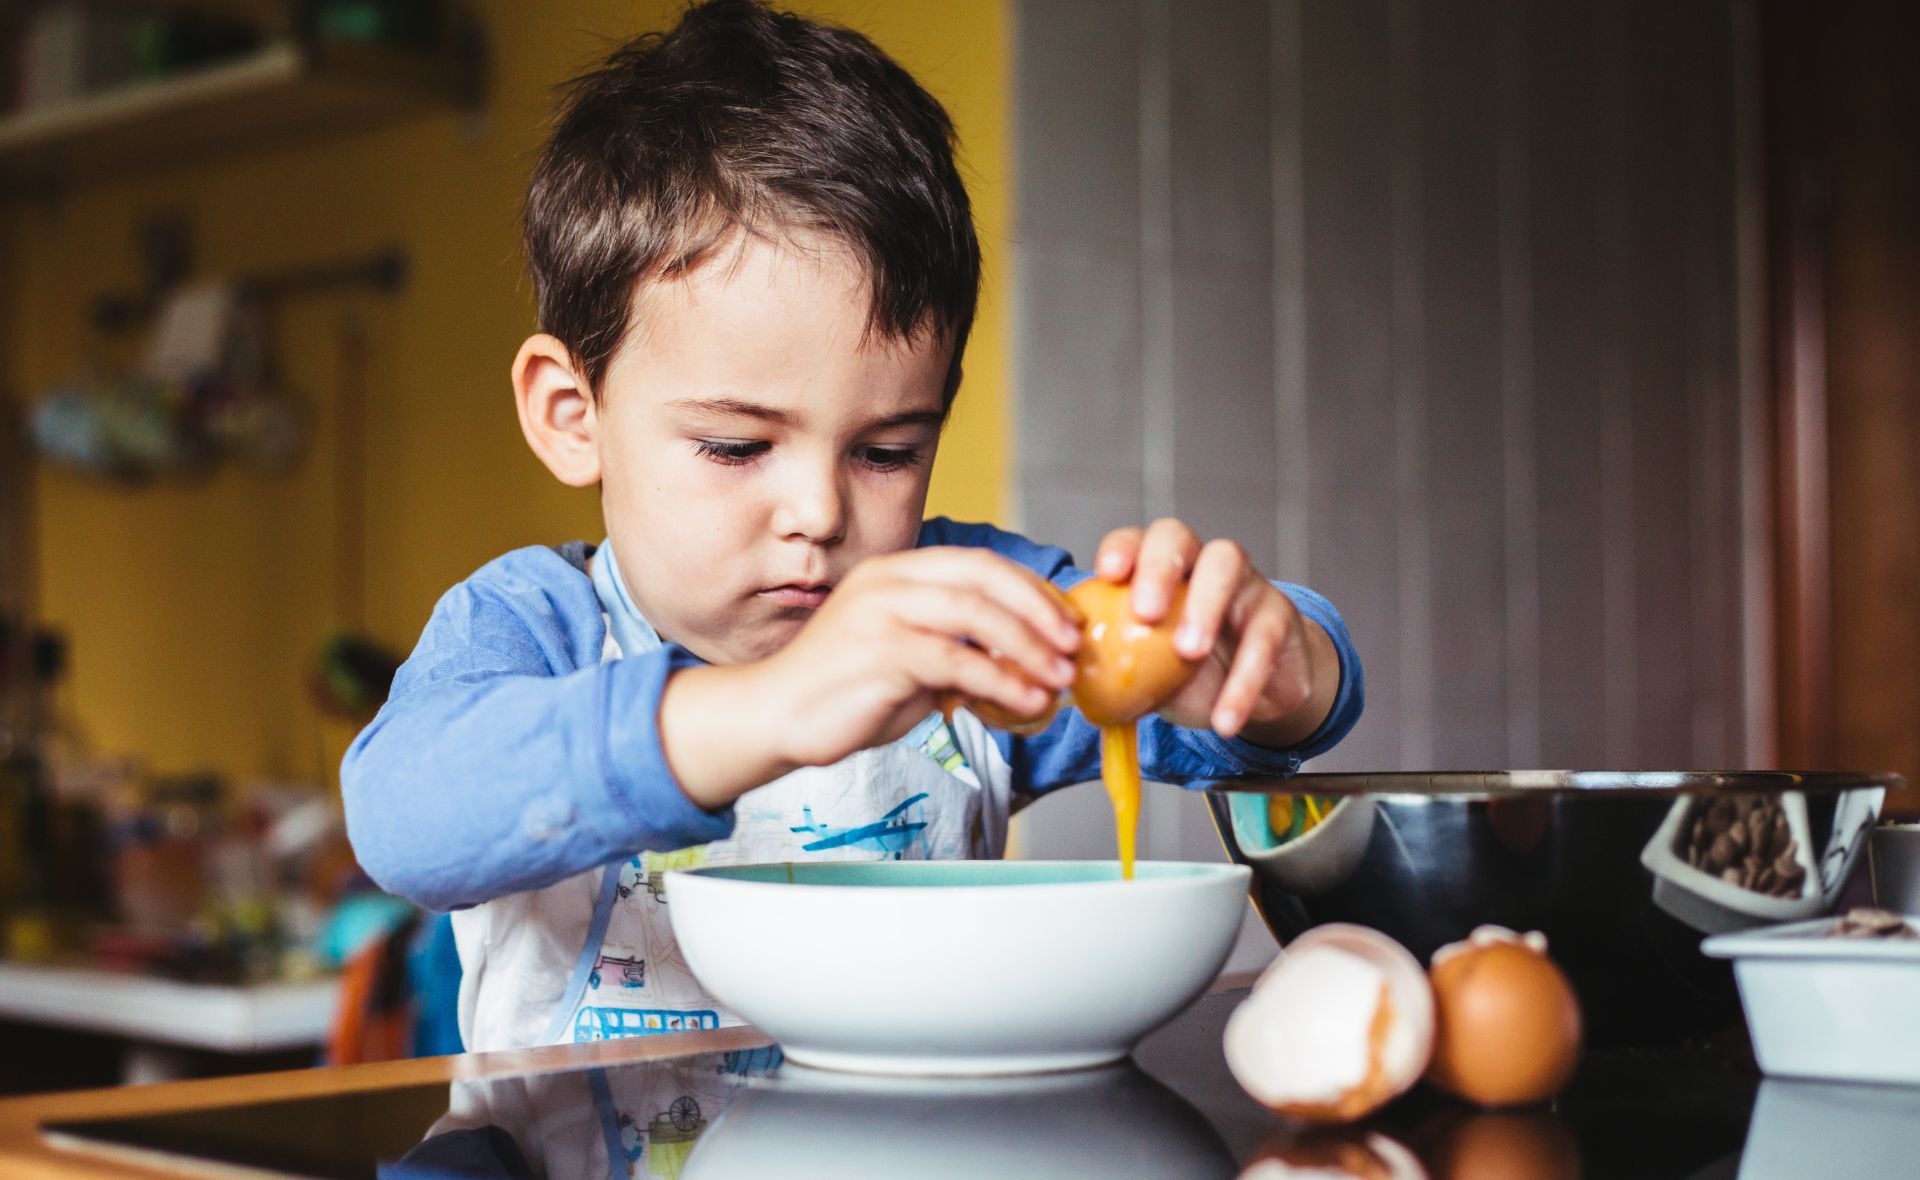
(1269, 674)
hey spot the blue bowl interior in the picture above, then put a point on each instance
(921, 874)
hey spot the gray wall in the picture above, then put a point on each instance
(1445, 308)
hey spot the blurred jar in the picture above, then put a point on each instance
(162, 853)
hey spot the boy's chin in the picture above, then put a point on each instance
(763, 636)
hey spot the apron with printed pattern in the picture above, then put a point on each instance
(914, 799)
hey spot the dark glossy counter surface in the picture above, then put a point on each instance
(725, 1106)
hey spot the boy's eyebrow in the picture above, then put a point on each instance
(911, 418)
(727, 407)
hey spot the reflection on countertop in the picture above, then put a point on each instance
(1172, 1111)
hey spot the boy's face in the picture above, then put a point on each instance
(753, 447)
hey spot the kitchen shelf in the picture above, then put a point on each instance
(278, 93)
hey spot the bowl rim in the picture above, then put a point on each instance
(1200, 873)
(1496, 784)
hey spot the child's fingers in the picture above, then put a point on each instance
(1010, 584)
(964, 614)
(1118, 549)
(1167, 553)
(1253, 668)
(1219, 574)
(972, 674)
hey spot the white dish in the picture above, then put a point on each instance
(957, 967)
(1834, 1008)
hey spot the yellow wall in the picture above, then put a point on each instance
(195, 610)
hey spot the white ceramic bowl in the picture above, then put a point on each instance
(957, 967)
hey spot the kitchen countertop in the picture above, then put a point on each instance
(228, 1019)
(1175, 1111)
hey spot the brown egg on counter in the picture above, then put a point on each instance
(1507, 1025)
(1125, 668)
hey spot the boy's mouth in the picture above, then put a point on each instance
(793, 594)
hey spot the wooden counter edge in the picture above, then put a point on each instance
(24, 1154)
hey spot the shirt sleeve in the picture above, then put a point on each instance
(1068, 751)
(508, 757)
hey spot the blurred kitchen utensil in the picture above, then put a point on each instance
(1894, 852)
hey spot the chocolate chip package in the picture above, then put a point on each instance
(1733, 861)
(1745, 840)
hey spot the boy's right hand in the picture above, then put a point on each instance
(895, 636)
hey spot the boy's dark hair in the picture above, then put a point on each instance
(745, 119)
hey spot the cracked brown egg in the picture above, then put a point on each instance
(1507, 1025)
(1124, 670)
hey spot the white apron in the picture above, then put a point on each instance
(914, 799)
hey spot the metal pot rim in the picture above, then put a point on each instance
(1493, 784)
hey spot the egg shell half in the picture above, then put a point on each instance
(1338, 1026)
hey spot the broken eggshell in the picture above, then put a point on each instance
(1341, 1024)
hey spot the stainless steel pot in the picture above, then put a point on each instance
(1608, 865)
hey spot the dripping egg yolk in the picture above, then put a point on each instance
(1124, 669)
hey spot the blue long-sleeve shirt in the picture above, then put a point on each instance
(509, 756)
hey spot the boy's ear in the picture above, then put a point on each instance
(557, 411)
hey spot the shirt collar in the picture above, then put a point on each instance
(630, 628)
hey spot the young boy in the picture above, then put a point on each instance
(756, 269)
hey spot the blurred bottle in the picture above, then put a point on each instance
(25, 800)
(13, 800)
(161, 871)
(52, 850)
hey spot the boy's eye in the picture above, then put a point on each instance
(890, 458)
(730, 453)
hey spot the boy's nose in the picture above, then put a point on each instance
(813, 510)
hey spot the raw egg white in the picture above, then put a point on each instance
(1507, 1024)
(1341, 1024)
